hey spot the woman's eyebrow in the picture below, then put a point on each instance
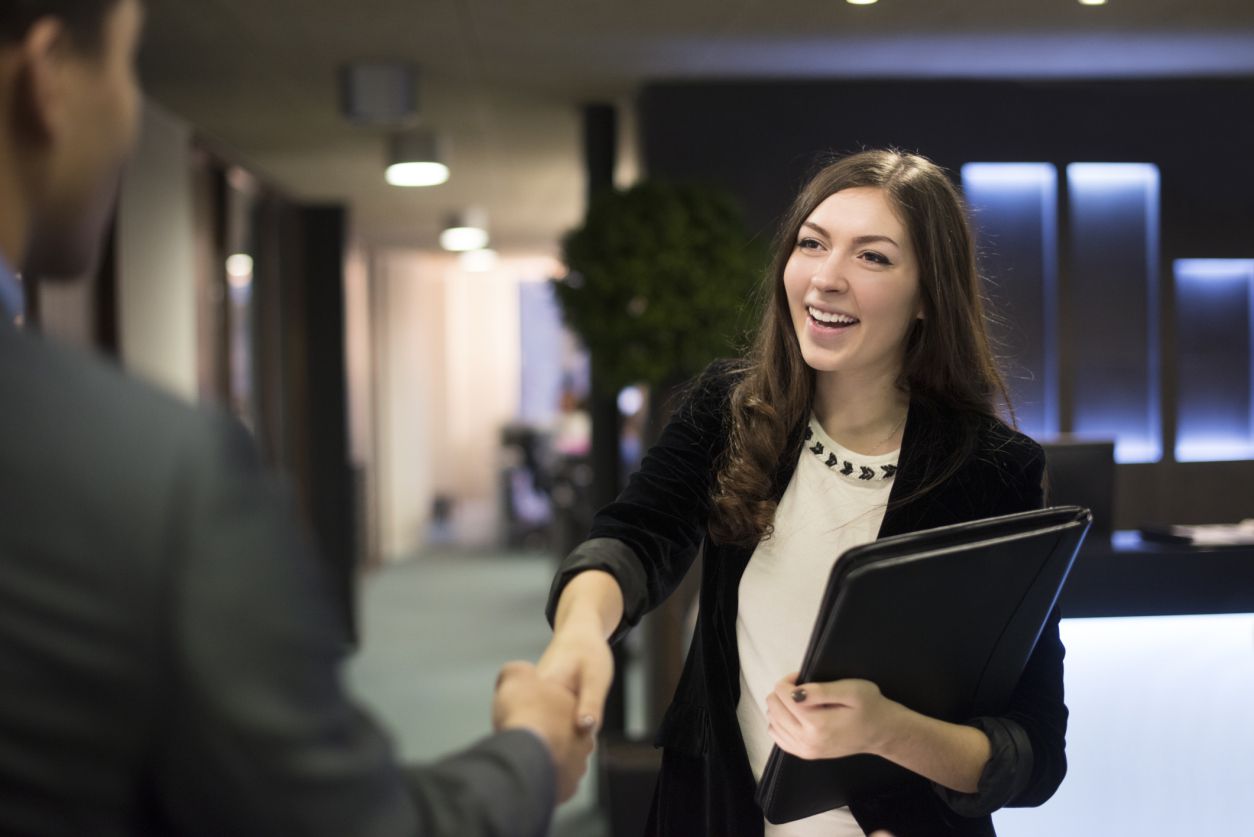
(862, 239)
(871, 239)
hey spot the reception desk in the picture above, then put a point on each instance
(1125, 575)
(1160, 684)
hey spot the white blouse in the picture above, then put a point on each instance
(835, 501)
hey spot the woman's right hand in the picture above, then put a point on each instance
(579, 655)
(579, 658)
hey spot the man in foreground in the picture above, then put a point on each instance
(169, 659)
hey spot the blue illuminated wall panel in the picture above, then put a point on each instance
(1112, 305)
(1015, 212)
(1214, 353)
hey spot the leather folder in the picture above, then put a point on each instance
(943, 621)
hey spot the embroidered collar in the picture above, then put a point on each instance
(852, 466)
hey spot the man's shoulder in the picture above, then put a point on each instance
(93, 430)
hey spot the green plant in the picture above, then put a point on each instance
(661, 282)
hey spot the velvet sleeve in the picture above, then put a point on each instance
(1028, 741)
(648, 537)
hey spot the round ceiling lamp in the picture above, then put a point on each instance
(465, 231)
(415, 160)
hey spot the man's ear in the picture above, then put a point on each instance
(39, 95)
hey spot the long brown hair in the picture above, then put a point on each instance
(948, 360)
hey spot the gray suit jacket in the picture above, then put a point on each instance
(169, 656)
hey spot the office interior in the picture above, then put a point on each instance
(436, 416)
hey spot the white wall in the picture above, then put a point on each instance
(156, 261)
(447, 354)
(360, 383)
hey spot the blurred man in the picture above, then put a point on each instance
(168, 654)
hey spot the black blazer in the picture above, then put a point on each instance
(169, 652)
(648, 538)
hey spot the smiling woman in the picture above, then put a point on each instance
(882, 237)
(866, 408)
(853, 292)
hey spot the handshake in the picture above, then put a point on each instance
(526, 700)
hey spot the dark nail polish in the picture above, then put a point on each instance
(798, 695)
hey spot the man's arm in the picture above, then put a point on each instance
(259, 736)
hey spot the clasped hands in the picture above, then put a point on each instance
(830, 720)
(560, 699)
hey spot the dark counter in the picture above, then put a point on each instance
(1127, 576)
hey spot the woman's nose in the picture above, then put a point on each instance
(830, 275)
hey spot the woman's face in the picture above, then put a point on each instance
(853, 286)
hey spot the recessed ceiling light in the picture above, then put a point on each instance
(1092, 2)
(861, 2)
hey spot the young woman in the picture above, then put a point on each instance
(866, 408)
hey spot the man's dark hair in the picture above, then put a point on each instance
(84, 19)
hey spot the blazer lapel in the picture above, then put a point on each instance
(927, 434)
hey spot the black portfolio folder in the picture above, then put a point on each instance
(943, 620)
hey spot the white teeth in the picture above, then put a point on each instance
(824, 317)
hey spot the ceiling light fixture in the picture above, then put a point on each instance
(1092, 2)
(415, 160)
(239, 270)
(861, 2)
(467, 231)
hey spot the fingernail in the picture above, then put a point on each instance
(587, 722)
(798, 695)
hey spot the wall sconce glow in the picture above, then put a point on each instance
(467, 230)
(1097, 175)
(1114, 262)
(1014, 209)
(1010, 174)
(477, 261)
(239, 270)
(861, 2)
(1092, 2)
(1223, 271)
(1215, 357)
(415, 159)
(417, 174)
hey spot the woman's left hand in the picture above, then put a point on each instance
(830, 720)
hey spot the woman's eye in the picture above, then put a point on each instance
(876, 258)
(808, 244)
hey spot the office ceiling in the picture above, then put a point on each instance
(503, 79)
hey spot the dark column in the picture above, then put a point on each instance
(600, 149)
(329, 490)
